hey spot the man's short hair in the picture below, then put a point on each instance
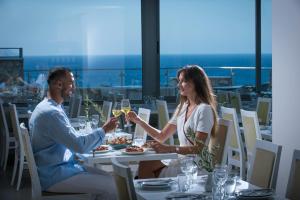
(57, 74)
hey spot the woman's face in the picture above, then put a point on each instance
(186, 88)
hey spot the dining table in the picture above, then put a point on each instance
(196, 190)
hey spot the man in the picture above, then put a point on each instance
(54, 142)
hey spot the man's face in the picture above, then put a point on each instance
(68, 85)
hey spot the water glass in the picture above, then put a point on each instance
(182, 182)
(82, 120)
(95, 121)
(230, 185)
(138, 141)
(219, 176)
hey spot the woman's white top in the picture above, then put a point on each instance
(201, 120)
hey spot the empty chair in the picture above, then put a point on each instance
(7, 142)
(163, 117)
(139, 132)
(124, 181)
(263, 110)
(251, 131)
(75, 106)
(293, 192)
(236, 151)
(264, 166)
(235, 101)
(35, 181)
(19, 150)
(106, 110)
(221, 140)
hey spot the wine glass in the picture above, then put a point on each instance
(187, 166)
(95, 121)
(116, 111)
(82, 120)
(219, 176)
(125, 107)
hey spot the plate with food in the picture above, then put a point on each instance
(102, 149)
(119, 142)
(133, 150)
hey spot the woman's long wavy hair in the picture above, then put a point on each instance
(203, 88)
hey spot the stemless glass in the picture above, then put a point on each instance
(186, 166)
(82, 120)
(95, 121)
(230, 184)
(219, 176)
(125, 107)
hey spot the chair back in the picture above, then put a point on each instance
(293, 192)
(4, 136)
(235, 101)
(139, 131)
(221, 140)
(106, 109)
(263, 110)
(124, 181)
(264, 166)
(34, 176)
(251, 130)
(163, 117)
(15, 126)
(236, 152)
(75, 106)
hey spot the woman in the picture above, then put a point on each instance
(197, 110)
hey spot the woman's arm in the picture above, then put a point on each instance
(162, 148)
(160, 136)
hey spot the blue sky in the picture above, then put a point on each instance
(107, 27)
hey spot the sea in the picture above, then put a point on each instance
(126, 70)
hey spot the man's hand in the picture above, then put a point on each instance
(110, 124)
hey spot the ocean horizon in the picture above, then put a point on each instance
(116, 70)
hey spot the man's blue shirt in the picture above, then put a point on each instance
(54, 142)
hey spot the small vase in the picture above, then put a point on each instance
(209, 183)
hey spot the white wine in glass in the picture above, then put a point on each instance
(116, 111)
(125, 107)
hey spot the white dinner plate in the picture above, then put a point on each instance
(103, 151)
(132, 153)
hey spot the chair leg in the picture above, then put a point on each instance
(15, 166)
(5, 157)
(21, 167)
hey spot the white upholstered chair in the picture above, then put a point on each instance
(263, 110)
(264, 166)
(236, 148)
(124, 181)
(106, 109)
(293, 192)
(163, 117)
(139, 131)
(36, 189)
(75, 106)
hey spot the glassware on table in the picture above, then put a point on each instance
(95, 121)
(125, 107)
(182, 183)
(230, 185)
(220, 174)
(82, 120)
(187, 166)
(116, 111)
(138, 141)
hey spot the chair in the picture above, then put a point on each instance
(7, 142)
(235, 101)
(124, 181)
(236, 148)
(106, 109)
(221, 140)
(251, 131)
(36, 189)
(263, 110)
(75, 106)
(264, 166)
(293, 192)
(19, 150)
(139, 131)
(163, 117)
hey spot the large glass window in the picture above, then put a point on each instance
(99, 40)
(217, 35)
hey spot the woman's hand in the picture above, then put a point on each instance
(161, 148)
(132, 116)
